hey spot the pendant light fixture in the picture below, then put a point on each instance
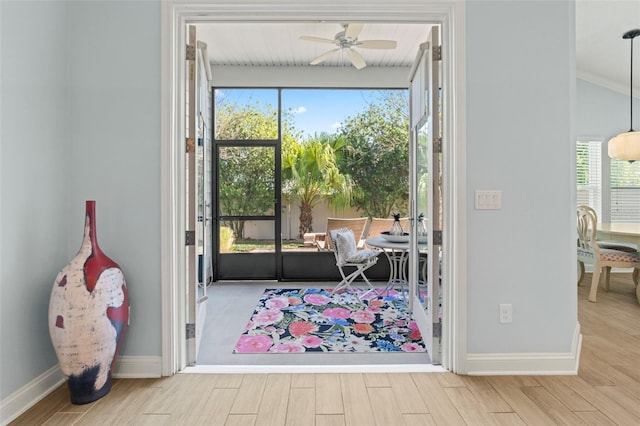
(626, 146)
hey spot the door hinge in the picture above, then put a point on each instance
(190, 238)
(190, 53)
(437, 329)
(190, 146)
(437, 53)
(190, 330)
(437, 145)
(437, 238)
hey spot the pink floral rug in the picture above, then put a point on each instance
(317, 320)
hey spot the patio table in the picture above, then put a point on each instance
(397, 255)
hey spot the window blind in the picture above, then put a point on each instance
(589, 174)
(625, 191)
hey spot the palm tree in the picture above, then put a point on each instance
(310, 173)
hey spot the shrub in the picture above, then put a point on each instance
(226, 239)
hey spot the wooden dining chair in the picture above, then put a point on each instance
(613, 245)
(601, 258)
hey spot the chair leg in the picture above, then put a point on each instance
(348, 279)
(607, 274)
(580, 271)
(364, 277)
(594, 284)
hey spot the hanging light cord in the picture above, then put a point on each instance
(631, 35)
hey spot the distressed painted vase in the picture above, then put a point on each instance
(88, 317)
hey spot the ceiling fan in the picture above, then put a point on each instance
(347, 41)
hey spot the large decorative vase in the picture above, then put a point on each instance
(88, 317)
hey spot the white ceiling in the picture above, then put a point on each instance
(279, 44)
(602, 56)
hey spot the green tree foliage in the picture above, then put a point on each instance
(245, 122)
(377, 155)
(582, 162)
(246, 182)
(310, 174)
(625, 174)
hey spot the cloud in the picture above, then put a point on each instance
(299, 110)
(336, 125)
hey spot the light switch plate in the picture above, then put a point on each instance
(488, 200)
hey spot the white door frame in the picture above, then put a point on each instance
(176, 14)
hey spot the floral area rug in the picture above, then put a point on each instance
(318, 320)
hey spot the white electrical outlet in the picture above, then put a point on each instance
(506, 316)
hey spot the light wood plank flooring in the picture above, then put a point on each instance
(605, 392)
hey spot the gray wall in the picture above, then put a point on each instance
(81, 120)
(520, 106)
(114, 103)
(603, 113)
(34, 182)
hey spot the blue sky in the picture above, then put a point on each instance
(315, 110)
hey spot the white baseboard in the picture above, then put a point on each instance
(27, 396)
(297, 369)
(138, 367)
(527, 363)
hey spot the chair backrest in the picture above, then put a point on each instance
(379, 225)
(348, 247)
(587, 225)
(357, 225)
(589, 208)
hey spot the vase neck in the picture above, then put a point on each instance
(90, 215)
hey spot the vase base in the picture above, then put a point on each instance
(82, 388)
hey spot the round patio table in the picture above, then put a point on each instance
(397, 255)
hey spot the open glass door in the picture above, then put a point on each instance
(425, 194)
(198, 191)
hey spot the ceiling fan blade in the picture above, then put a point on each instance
(324, 56)
(356, 58)
(378, 44)
(318, 39)
(353, 30)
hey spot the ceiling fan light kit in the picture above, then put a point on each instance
(347, 42)
(626, 146)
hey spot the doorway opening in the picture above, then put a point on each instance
(177, 17)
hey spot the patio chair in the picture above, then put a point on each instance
(379, 225)
(357, 225)
(590, 252)
(348, 256)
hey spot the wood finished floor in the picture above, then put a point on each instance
(605, 392)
